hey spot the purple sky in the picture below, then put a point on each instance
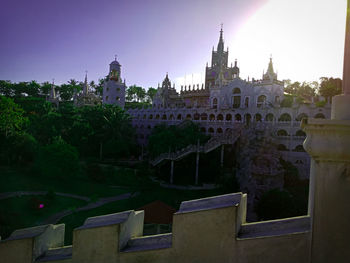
(45, 39)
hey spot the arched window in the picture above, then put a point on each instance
(219, 130)
(144, 116)
(282, 133)
(212, 117)
(261, 101)
(246, 102)
(171, 117)
(149, 127)
(150, 117)
(282, 147)
(319, 116)
(211, 130)
(299, 148)
(179, 117)
(228, 117)
(164, 117)
(300, 133)
(204, 116)
(301, 116)
(236, 102)
(220, 117)
(285, 117)
(196, 116)
(236, 91)
(157, 117)
(215, 103)
(258, 117)
(188, 117)
(238, 117)
(269, 117)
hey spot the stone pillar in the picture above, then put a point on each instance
(222, 156)
(328, 143)
(172, 172)
(197, 167)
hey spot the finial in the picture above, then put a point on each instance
(53, 81)
(115, 57)
(222, 25)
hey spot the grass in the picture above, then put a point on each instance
(22, 212)
(172, 197)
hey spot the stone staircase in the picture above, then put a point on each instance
(209, 146)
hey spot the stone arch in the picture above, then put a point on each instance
(228, 131)
(238, 117)
(196, 116)
(157, 117)
(285, 117)
(179, 117)
(300, 133)
(220, 117)
(261, 101)
(301, 116)
(219, 130)
(269, 117)
(228, 117)
(299, 148)
(211, 130)
(258, 117)
(164, 117)
(204, 116)
(144, 116)
(171, 117)
(236, 91)
(282, 133)
(215, 103)
(212, 117)
(282, 147)
(319, 116)
(150, 117)
(188, 117)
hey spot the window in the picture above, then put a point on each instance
(261, 101)
(106, 98)
(236, 102)
(246, 102)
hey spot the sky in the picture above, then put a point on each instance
(61, 39)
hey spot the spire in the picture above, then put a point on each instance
(270, 67)
(221, 41)
(270, 73)
(86, 85)
(53, 92)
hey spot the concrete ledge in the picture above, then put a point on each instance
(56, 254)
(27, 232)
(105, 220)
(149, 243)
(280, 227)
(210, 203)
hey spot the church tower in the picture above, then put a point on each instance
(219, 72)
(114, 88)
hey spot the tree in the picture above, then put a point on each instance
(11, 117)
(151, 92)
(330, 87)
(58, 160)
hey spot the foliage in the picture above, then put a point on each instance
(11, 117)
(321, 103)
(172, 138)
(287, 102)
(275, 204)
(303, 91)
(330, 87)
(58, 160)
(151, 92)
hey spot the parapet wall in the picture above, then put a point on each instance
(206, 230)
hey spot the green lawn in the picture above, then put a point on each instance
(22, 212)
(172, 197)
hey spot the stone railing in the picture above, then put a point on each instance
(206, 230)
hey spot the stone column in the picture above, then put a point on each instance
(328, 143)
(222, 156)
(172, 172)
